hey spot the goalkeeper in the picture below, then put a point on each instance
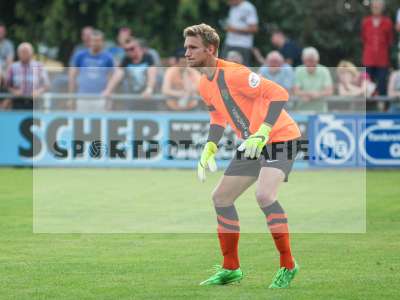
(253, 107)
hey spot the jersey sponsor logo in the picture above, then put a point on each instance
(254, 80)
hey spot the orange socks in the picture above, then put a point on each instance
(228, 235)
(277, 224)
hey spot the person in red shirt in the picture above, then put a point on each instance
(377, 38)
(254, 108)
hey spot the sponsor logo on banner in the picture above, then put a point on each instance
(334, 142)
(380, 142)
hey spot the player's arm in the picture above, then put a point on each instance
(215, 133)
(268, 100)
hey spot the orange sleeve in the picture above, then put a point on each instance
(258, 90)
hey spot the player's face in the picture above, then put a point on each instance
(196, 53)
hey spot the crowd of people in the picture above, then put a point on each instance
(130, 67)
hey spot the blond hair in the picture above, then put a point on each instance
(208, 35)
(345, 65)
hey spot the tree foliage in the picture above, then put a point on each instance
(331, 26)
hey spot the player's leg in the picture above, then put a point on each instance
(266, 193)
(227, 191)
(273, 172)
(267, 187)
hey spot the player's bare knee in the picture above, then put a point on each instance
(221, 199)
(265, 198)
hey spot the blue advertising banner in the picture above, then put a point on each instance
(371, 140)
(161, 140)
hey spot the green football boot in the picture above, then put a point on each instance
(284, 276)
(223, 276)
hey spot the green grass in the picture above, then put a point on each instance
(170, 266)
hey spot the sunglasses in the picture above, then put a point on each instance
(130, 49)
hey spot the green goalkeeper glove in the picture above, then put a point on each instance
(207, 160)
(253, 146)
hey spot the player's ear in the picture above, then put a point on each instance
(212, 50)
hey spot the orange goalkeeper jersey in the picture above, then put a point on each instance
(241, 98)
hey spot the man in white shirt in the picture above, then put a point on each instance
(241, 26)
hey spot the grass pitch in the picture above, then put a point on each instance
(170, 266)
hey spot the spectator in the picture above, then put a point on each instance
(117, 51)
(6, 49)
(234, 56)
(90, 72)
(377, 38)
(180, 83)
(312, 82)
(394, 90)
(288, 48)
(398, 31)
(26, 78)
(351, 82)
(241, 26)
(394, 84)
(150, 51)
(86, 33)
(275, 69)
(5, 103)
(139, 70)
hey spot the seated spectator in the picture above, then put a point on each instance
(312, 82)
(139, 71)
(117, 51)
(90, 72)
(351, 82)
(6, 49)
(394, 90)
(180, 83)
(26, 78)
(288, 48)
(234, 56)
(5, 103)
(86, 33)
(275, 69)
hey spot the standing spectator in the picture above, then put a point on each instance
(275, 69)
(26, 78)
(241, 26)
(234, 56)
(181, 84)
(312, 82)
(377, 38)
(86, 33)
(90, 72)
(288, 48)
(117, 51)
(6, 48)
